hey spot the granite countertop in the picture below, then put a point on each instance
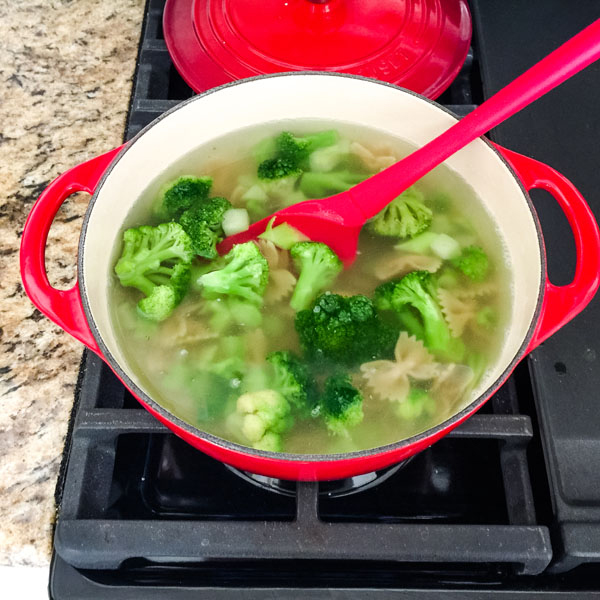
(67, 68)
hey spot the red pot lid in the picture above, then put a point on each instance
(417, 44)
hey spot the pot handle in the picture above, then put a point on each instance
(64, 307)
(562, 303)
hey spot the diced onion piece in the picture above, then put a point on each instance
(326, 159)
(235, 220)
(254, 193)
(445, 247)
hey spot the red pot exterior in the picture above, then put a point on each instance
(312, 470)
(557, 306)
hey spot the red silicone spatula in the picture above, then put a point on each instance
(337, 220)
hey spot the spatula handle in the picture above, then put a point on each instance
(372, 195)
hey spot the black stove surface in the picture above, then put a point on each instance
(561, 130)
(507, 505)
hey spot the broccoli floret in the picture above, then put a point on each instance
(341, 404)
(202, 222)
(291, 153)
(156, 261)
(165, 297)
(186, 201)
(245, 275)
(270, 442)
(228, 312)
(265, 416)
(321, 185)
(417, 404)
(297, 148)
(159, 304)
(200, 267)
(318, 266)
(204, 239)
(277, 168)
(183, 193)
(294, 381)
(417, 290)
(283, 191)
(473, 262)
(209, 391)
(264, 196)
(383, 294)
(408, 319)
(211, 211)
(405, 216)
(266, 148)
(400, 318)
(229, 358)
(345, 330)
(256, 378)
(448, 277)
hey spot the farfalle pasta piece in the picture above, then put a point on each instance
(451, 383)
(281, 285)
(386, 379)
(458, 313)
(374, 160)
(416, 359)
(281, 280)
(476, 290)
(181, 330)
(276, 257)
(269, 251)
(399, 264)
(389, 379)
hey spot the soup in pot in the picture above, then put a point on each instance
(275, 345)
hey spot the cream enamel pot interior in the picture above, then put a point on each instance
(119, 177)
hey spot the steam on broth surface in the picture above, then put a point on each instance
(200, 360)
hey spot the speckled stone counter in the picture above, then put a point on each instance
(66, 69)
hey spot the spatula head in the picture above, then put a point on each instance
(334, 221)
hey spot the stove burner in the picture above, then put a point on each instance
(331, 489)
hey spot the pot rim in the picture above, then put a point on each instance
(432, 432)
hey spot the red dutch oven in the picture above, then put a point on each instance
(499, 177)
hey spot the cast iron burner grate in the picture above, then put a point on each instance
(139, 508)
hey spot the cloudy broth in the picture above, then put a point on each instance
(155, 351)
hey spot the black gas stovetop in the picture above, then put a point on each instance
(508, 505)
